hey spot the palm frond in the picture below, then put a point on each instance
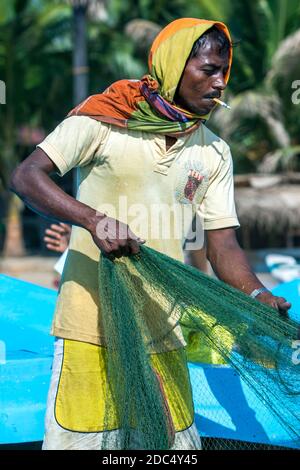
(286, 60)
(210, 10)
(142, 32)
(252, 104)
(284, 159)
(125, 65)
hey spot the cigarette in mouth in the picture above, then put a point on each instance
(222, 103)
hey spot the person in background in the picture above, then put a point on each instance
(57, 237)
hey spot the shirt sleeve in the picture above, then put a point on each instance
(217, 209)
(73, 143)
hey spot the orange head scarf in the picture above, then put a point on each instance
(146, 104)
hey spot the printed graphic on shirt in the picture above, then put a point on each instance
(194, 179)
(191, 182)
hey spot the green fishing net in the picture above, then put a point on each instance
(143, 300)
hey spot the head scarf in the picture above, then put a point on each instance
(147, 104)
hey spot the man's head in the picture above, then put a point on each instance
(204, 74)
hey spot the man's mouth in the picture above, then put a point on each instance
(211, 97)
(209, 102)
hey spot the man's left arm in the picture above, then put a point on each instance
(230, 264)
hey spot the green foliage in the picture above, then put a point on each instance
(266, 62)
(37, 73)
(36, 64)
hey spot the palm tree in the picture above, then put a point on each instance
(25, 31)
(81, 9)
(80, 66)
(266, 63)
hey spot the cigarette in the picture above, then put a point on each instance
(222, 103)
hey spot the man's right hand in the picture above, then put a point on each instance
(114, 238)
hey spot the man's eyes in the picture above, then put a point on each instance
(212, 71)
(209, 71)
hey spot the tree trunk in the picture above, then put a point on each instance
(80, 66)
(14, 243)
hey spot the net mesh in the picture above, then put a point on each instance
(143, 298)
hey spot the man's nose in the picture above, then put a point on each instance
(220, 83)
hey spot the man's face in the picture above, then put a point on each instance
(203, 79)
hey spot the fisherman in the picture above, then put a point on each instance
(140, 146)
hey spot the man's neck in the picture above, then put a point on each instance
(170, 141)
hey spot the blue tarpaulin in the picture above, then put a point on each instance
(224, 405)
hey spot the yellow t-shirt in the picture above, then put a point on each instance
(130, 176)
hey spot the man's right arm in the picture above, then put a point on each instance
(32, 183)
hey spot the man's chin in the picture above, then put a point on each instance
(200, 110)
(208, 108)
(203, 110)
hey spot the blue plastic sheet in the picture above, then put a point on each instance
(224, 405)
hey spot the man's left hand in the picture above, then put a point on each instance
(280, 303)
